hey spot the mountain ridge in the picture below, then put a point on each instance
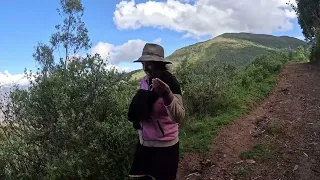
(237, 49)
(234, 36)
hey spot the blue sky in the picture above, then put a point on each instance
(172, 23)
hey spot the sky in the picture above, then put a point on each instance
(121, 28)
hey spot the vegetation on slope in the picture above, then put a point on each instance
(237, 49)
(281, 42)
(234, 42)
(216, 95)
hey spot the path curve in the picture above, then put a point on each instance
(294, 106)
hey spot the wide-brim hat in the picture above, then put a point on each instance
(152, 53)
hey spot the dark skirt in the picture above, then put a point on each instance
(158, 162)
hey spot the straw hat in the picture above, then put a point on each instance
(154, 53)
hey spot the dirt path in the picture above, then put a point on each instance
(280, 139)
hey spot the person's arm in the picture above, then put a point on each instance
(174, 107)
(172, 102)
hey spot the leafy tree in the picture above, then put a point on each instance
(308, 12)
(72, 35)
(308, 17)
(71, 122)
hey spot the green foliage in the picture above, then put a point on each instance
(309, 20)
(137, 75)
(264, 152)
(274, 129)
(210, 88)
(301, 54)
(205, 86)
(71, 124)
(238, 91)
(244, 46)
(236, 49)
(196, 133)
(282, 42)
(44, 57)
(241, 171)
(308, 17)
(315, 50)
(262, 68)
(72, 35)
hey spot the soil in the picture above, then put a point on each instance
(288, 121)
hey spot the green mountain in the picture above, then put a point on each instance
(237, 49)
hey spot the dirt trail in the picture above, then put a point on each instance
(288, 121)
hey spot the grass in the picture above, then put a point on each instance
(242, 171)
(274, 129)
(138, 75)
(281, 42)
(266, 151)
(263, 152)
(197, 133)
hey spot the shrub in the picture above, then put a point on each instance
(315, 50)
(205, 87)
(70, 124)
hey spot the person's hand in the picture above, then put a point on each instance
(160, 87)
(163, 90)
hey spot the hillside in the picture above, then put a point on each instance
(281, 42)
(279, 139)
(237, 49)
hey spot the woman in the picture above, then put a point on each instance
(156, 112)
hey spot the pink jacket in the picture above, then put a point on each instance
(162, 126)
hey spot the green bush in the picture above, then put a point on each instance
(315, 49)
(205, 87)
(258, 73)
(262, 68)
(210, 88)
(70, 124)
(241, 90)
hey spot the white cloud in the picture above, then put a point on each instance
(7, 79)
(126, 52)
(206, 17)
(300, 37)
(103, 49)
(157, 41)
(119, 68)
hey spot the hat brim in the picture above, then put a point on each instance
(150, 58)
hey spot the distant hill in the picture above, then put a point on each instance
(279, 42)
(132, 72)
(237, 49)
